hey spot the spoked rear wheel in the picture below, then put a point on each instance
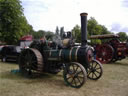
(75, 75)
(95, 70)
(31, 62)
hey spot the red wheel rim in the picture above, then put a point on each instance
(104, 53)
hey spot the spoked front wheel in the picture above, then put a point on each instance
(95, 70)
(75, 75)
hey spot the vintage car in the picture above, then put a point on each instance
(10, 53)
(0, 50)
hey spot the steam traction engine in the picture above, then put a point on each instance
(76, 61)
(111, 50)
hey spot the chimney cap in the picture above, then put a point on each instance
(83, 14)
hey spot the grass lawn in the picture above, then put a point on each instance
(114, 82)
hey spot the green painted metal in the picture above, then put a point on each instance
(53, 55)
(73, 54)
(65, 55)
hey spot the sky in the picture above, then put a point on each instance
(47, 14)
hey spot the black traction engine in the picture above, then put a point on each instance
(49, 57)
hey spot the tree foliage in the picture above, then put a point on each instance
(39, 34)
(13, 23)
(123, 36)
(76, 32)
(93, 28)
(104, 30)
(49, 35)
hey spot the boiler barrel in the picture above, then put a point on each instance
(73, 54)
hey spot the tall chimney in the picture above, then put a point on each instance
(84, 28)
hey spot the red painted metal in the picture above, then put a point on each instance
(25, 41)
(27, 38)
(112, 50)
(104, 53)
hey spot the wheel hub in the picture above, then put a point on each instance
(104, 53)
(93, 70)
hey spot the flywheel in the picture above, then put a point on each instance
(31, 62)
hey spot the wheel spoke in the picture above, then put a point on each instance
(33, 62)
(97, 71)
(73, 68)
(89, 73)
(76, 69)
(95, 75)
(28, 54)
(79, 80)
(95, 66)
(31, 57)
(79, 72)
(24, 66)
(92, 65)
(92, 75)
(75, 82)
(98, 68)
(72, 80)
(69, 77)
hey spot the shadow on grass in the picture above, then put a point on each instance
(46, 78)
(10, 62)
(9, 75)
(42, 78)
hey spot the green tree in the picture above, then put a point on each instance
(76, 32)
(104, 30)
(49, 35)
(123, 36)
(39, 34)
(93, 27)
(13, 23)
(30, 30)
